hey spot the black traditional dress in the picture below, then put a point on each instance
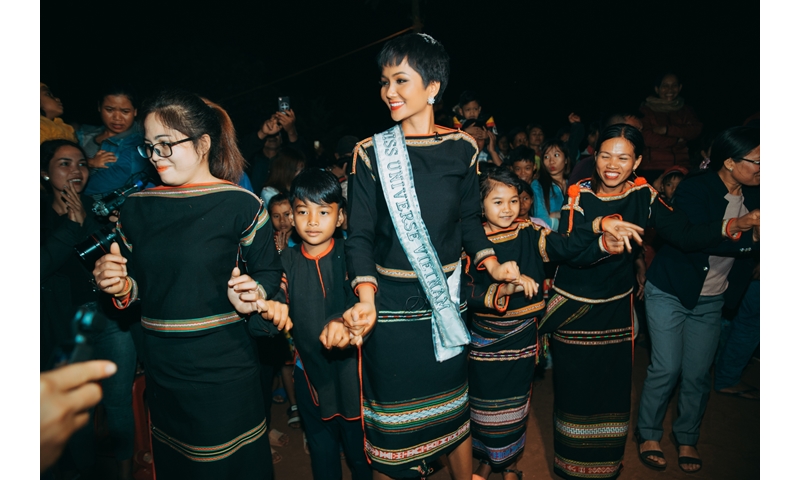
(590, 315)
(414, 408)
(202, 370)
(504, 344)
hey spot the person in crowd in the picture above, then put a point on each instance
(51, 127)
(114, 161)
(504, 346)
(523, 163)
(400, 305)
(668, 124)
(317, 292)
(67, 221)
(518, 138)
(485, 139)
(203, 391)
(685, 293)
(287, 164)
(64, 222)
(668, 182)
(535, 139)
(551, 186)
(261, 147)
(525, 201)
(65, 395)
(584, 168)
(503, 147)
(589, 312)
(469, 108)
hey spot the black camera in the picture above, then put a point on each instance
(97, 245)
(113, 200)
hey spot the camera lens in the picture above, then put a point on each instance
(94, 247)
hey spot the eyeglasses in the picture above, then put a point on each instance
(163, 149)
(754, 162)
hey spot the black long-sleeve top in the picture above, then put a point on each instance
(446, 181)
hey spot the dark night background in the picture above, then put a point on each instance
(530, 61)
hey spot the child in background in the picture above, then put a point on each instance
(317, 292)
(280, 212)
(523, 164)
(51, 127)
(669, 180)
(486, 140)
(469, 108)
(504, 334)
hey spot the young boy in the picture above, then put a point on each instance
(523, 164)
(469, 108)
(317, 292)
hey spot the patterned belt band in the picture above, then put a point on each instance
(389, 316)
(519, 312)
(212, 453)
(592, 300)
(397, 273)
(191, 324)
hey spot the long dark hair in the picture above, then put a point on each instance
(195, 116)
(47, 150)
(618, 130)
(545, 179)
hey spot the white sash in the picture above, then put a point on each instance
(394, 167)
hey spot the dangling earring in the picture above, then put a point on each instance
(46, 178)
(431, 100)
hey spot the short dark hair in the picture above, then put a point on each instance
(276, 199)
(424, 54)
(522, 154)
(468, 96)
(493, 173)
(316, 186)
(119, 89)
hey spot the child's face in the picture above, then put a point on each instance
(316, 224)
(471, 110)
(524, 169)
(502, 144)
(281, 215)
(501, 206)
(668, 187)
(525, 202)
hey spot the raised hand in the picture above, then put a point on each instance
(110, 271)
(622, 230)
(507, 272)
(72, 199)
(65, 396)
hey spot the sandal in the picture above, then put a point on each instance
(278, 439)
(686, 460)
(276, 457)
(294, 416)
(648, 453)
(518, 473)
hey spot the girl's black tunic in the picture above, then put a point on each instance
(202, 371)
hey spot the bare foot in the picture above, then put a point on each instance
(483, 472)
(689, 451)
(652, 445)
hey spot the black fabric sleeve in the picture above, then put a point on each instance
(260, 257)
(581, 247)
(362, 218)
(675, 227)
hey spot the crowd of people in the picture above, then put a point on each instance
(397, 293)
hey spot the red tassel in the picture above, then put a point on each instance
(640, 181)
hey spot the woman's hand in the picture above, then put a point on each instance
(286, 120)
(72, 199)
(526, 284)
(335, 334)
(110, 271)
(360, 320)
(65, 395)
(243, 292)
(269, 127)
(746, 222)
(276, 312)
(622, 231)
(101, 159)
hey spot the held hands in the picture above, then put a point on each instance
(243, 292)
(360, 320)
(101, 159)
(507, 272)
(614, 246)
(335, 334)
(65, 396)
(622, 231)
(110, 271)
(524, 284)
(277, 312)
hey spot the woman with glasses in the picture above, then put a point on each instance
(685, 293)
(181, 245)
